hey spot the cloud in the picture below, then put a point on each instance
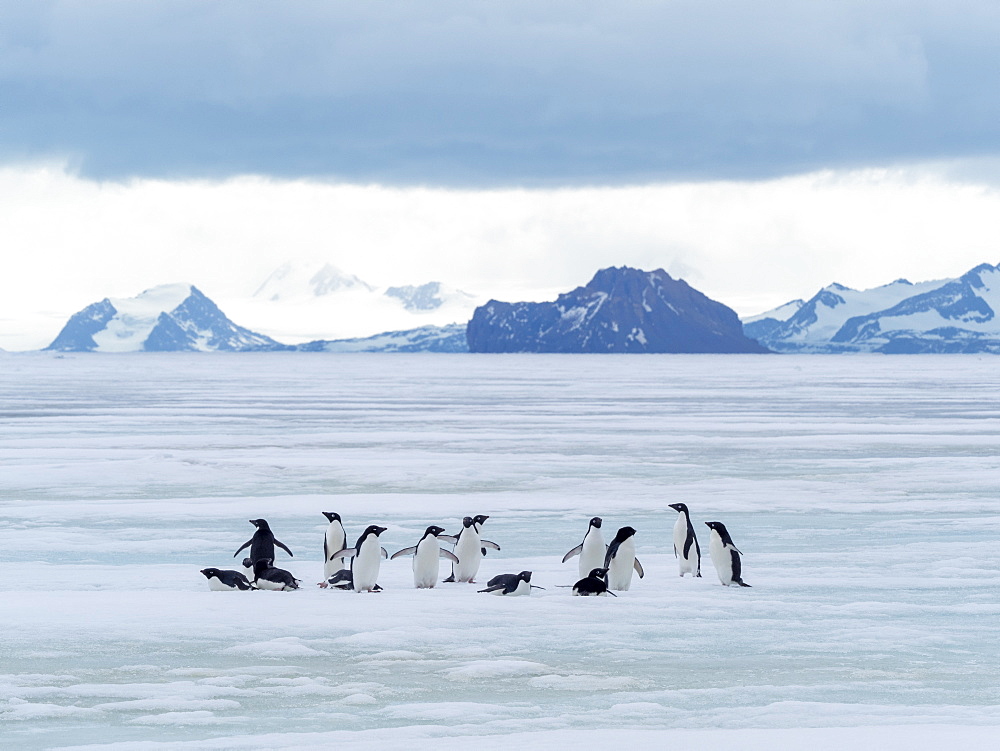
(497, 94)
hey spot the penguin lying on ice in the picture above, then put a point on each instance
(595, 584)
(725, 556)
(266, 576)
(220, 580)
(515, 585)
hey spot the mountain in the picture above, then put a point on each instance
(292, 281)
(619, 310)
(168, 318)
(449, 338)
(430, 296)
(946, 316)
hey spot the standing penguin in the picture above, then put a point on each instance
(425, 558)
(333, 540)
(595, 584)
(725, 556)
(262, 543)
(515, 585)
(620, 560)
(469, 549)
(366, 558)
(592, 550)
(686, 549)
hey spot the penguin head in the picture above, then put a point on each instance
(624, 533)
(480, 519)
(433, 531)
(210, 572)
(596, 522)
(680, 508)
(468, 522)
(374, 529)
(260, 523)
(598, 573)
(525, 576)
(720, 528)
(247, 563)
(332, 516)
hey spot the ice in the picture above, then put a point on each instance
(862, 491)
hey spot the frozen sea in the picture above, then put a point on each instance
(864, 492)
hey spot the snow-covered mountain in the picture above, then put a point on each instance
(950, 315)
(449, 338)
(301, 302)
(167, 318)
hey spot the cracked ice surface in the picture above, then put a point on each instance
(861, 490)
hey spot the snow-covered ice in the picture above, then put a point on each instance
(862, 490)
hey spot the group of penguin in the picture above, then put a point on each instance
(603, 568)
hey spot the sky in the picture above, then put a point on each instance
(760, 151)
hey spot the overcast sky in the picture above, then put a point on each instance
(760, 150)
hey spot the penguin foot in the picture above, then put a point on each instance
(322, 585)
(449, 579)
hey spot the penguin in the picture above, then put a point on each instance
(515, 585)
(469, 549)
(366, 557)
(595, 584)
(426, 554)
(725, 556)
(266, 576)
(620, 560)
(262, 543)
(592, 550)
(225, 581)
(686, 549)
(333, 540)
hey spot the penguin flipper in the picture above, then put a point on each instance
(344, 575)
(345, 553)
(675, 551)
(449, 555)
(494, 588)
(404, 551)
(448, 538)
(284, 547)
(638, 568)
(575, 551)
(243, 547)
(385, 553)
(488, 544)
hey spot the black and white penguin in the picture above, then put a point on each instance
(262, 543)
(620, 560)
(469, 549)
(515, 585)
(266, 576)
(220, 580)
(334, 539)
(686, 549)
(595, 584)
(426, 555)
(366, 558)
(725, 556)
(592, 550)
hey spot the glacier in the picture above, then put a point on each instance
(862, 492)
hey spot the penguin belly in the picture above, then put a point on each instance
(425, 564)
(366, 566)
(593, 552)
(470, 555)
(336, 541)
(722, 558)
(621, 567)
(216, 585)
(270, 585)
(523, 589)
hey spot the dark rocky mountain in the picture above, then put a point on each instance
(449, 338)
(619, 310)
(168, 318)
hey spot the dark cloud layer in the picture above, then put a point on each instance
(497, 93)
